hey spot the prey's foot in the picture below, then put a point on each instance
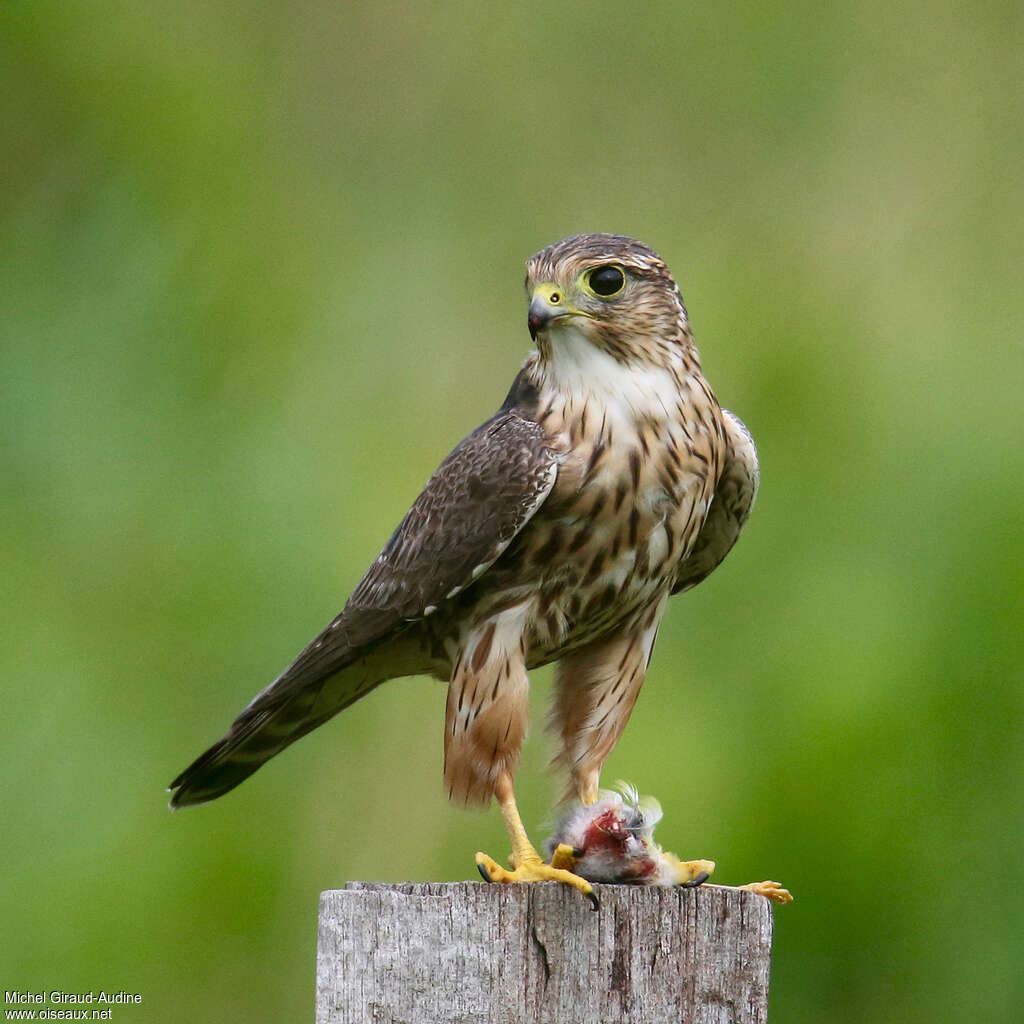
(770, 890)
(530, 868)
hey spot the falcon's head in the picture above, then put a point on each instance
(611, 292)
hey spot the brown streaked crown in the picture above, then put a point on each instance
(643, 321)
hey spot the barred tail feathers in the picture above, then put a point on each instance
(275, 719)
(312, 689)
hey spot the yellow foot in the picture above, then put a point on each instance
(770, 890)
(688, 873)
(531, 868)
(564, 857)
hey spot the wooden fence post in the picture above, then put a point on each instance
(538, 954)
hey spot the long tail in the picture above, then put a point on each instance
(309, 692)
(268, 725)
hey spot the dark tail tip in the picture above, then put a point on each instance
(208, 778)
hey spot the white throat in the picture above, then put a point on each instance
(580, 371)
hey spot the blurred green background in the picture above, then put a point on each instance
(262, 269)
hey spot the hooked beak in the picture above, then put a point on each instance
(543, 311)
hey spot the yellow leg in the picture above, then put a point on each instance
(691, 873)
(527, 865)
(587, 785)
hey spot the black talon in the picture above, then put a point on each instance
(592, 896)
(694, 882)
(484, 873)
(578, 852)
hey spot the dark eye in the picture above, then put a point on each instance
(606, 281)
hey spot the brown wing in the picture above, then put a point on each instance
(733, 499)
(471, 509)
(474, 505)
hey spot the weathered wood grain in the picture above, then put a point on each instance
(509, 954)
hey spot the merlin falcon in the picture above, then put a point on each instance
(609, 480)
